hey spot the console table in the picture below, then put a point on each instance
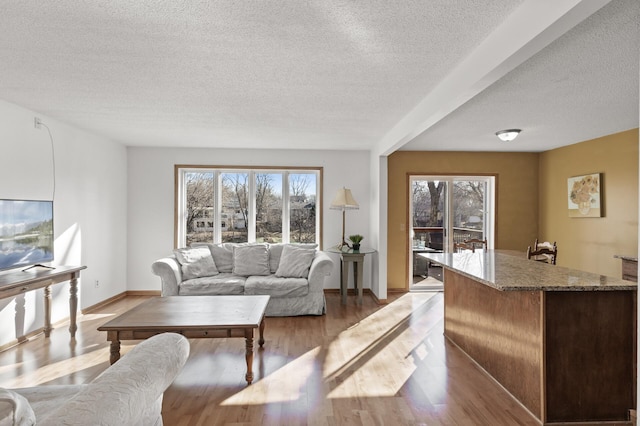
(19, 282)
(355, 257)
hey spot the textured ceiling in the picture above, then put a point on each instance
(582, 86)
(313, 74)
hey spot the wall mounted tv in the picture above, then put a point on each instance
(26, 233)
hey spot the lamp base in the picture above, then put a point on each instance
(343, 245)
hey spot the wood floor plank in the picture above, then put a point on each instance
(356, 365)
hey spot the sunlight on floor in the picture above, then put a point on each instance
(380, 339)
(355, 363)
(55, 370)
(283, 385)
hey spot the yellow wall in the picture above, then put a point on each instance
(589, 243)
(517, 200)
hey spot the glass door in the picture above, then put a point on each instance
(428, 230)
(444, 210)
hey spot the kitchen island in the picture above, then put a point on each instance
(561, 341)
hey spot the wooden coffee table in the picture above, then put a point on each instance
(194, 317)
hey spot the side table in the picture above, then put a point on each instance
(355, 257)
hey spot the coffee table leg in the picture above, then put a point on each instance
(261, 340)
(249, 355)
(115, 351)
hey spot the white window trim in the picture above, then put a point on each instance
(180, 207)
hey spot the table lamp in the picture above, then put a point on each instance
(344, 201)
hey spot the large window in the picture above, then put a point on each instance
(247, 205)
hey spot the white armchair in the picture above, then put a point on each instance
(127, 393)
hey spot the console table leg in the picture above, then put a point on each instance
(249, 356)
(73, 305)
(47, 311)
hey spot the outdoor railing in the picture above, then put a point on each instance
(421, 234)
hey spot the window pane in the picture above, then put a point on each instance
(199, 189)
(269, 207)
(235, 207)
(302, 207)
(428, 198)
(468, 209)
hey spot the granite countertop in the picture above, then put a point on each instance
(623, 257)
(512, 271)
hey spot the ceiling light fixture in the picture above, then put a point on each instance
(508, 135)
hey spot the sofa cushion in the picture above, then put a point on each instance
(223, 256)
(15, 409)
(276, 286)
(195, 262)
(275, 252)
(295, 262)
(223, 283)
(251, 259)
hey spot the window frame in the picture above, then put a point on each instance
(180, 233)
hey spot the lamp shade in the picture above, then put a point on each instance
(344, 200)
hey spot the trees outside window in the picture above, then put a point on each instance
(269, 207)
(302, 205)
(235, 207)
(227, 205)
(198, 189)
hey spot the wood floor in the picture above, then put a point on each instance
(357, 365)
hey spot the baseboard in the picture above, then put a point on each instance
(102, 304)
(143, 293)
(117, 297)
(378, 301)
(352, 292)
(22, 339)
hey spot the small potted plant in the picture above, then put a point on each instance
(355, 239)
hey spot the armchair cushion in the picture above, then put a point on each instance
(15, 409)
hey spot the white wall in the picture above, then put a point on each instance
(378, 197)
(89, 208)
(151, 199)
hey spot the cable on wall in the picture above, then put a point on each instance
(38, 124)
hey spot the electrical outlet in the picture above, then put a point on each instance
(37, 122)
(97, 284)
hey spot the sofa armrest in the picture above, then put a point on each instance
(321, 267)
(123, 393)
(168, 269)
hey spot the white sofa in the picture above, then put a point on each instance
(127, 393)
(292, 274)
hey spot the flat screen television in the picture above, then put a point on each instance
(26, 233)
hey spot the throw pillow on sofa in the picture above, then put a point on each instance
(223, 256)
(295, 262)
(275, 253)
(251, 259)
(196, 262)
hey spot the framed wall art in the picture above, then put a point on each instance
(584, 195)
